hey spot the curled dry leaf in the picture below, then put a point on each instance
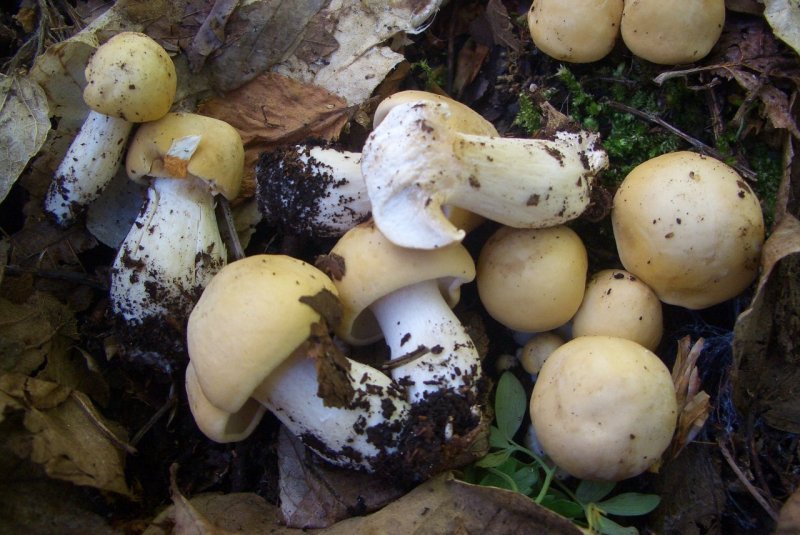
(65, 434)
(693, 404)
(784, 17)
(24, 124)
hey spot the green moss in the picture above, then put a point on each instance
(529, 118)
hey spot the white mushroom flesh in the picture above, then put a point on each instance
(170, 254)
(88, 166)
(418, 325)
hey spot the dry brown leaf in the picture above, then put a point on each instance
(314, 495)
(694, 404)
(274, 110)
(766, 348)
(500, 24)
(66, 435)
(789, 519)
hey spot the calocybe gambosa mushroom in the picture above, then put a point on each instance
(174, 246)
(258, 340)
(415, 161)
(130, 79)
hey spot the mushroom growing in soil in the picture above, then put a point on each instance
(130, 79)
(415, 161)
(604, 408)
(616, 303)
(578, 31)
(532, 280)
(671, 32)
(258, 340)
(689, 227)
(174, 246)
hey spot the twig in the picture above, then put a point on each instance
(749, 486)
(90, 412)
(229, 228)
(711, 151)
(155, 417)
(66, 276)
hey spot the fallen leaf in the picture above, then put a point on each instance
(314, 495)
(211, 34)
(275, 110)
(784, 18)
(765, 346)
(789, 519)
(24, 124)
(111, 216)
(500, 24)
(66, 435)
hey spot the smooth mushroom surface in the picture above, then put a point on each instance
(534, 353)
(616, 303)
(416, 161)
(672, 32)
(174, 247)
(532, 280)
(129, 79)
(604, 408)
(258, 340)
(690, 227)
(578, 31)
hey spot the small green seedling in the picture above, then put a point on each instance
(514, 467)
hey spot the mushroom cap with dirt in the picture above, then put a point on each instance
(405, 296)
(130, 79)
(616, 303)
(532, 280)
(578, 31)
(672, 32)
(690, 227)
(258, 340)
(604, 408)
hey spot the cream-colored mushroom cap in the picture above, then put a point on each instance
(461, 118)
(578, 31)
(131, 77)
(218, 158)
(690, 227)
(374, 267)
(616, 303)
(671, 32)
(248, 320)
(532, 279)
(604, 408)
(536, 350)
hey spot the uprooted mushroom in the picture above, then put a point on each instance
(130, 79)
(415, 161)
(174, 246)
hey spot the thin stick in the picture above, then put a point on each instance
(711, 151)
(232, 238)
(749, 486)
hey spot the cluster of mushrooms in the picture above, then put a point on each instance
(667, 33)
(273, 333)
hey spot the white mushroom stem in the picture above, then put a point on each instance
(348, 434)
(170, 253)
(89, 165)
(316, 191)
(413, 163)
(418, 324)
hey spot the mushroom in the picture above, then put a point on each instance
(578, 31)
(414, 162)
(405, 297)
(312, 190)
(536, 350)
(532, 280)
(616, 303)
(174, 246)
(672, 32)
(689, 227)
(258, 340)
(130, 79)
(604, 408)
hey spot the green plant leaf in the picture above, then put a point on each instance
(498, 478)
(497, 439)
(593, 491)
(509, 403)
(564, 507)
(606, 526)
(526, 478)
(494, 459)
(630, 504)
